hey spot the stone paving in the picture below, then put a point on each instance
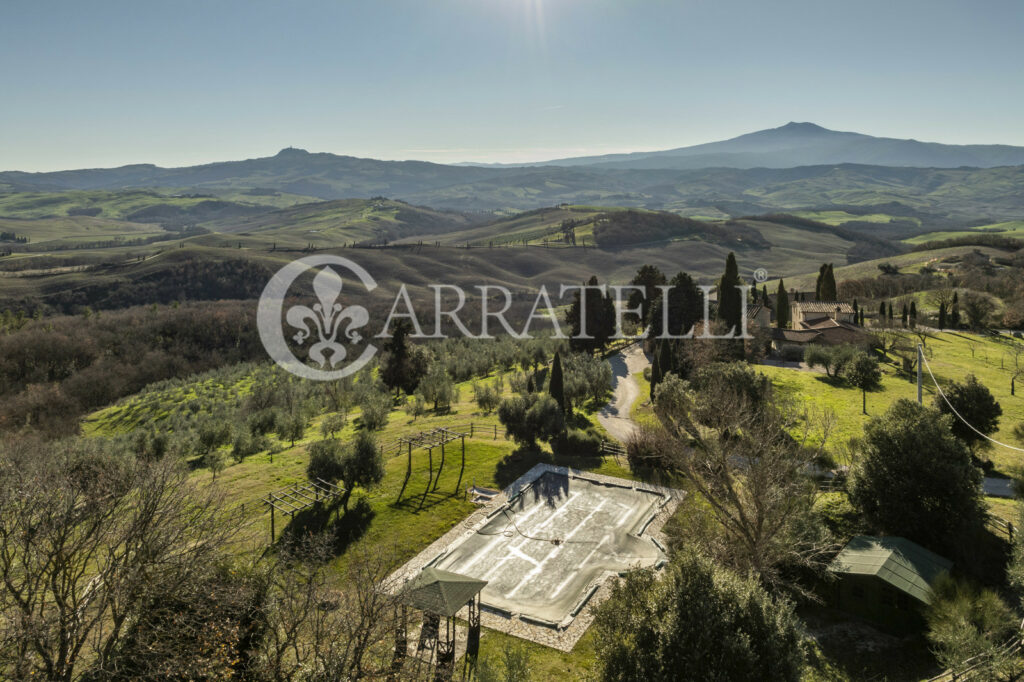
(567, 632)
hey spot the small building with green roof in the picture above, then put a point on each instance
(886, 580)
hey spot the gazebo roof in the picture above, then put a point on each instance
(439, 592)
(903, 564)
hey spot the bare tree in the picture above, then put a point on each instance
(978, 308)
(87, 536)
(322, 625)
(738, 454)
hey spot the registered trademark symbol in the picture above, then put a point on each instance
(760, 275)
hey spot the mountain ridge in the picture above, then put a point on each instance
(805, 144)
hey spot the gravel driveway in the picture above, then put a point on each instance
(614, 417)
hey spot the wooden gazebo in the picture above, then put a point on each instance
(442, 594)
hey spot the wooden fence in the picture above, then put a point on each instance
(484, 430)
(999, 526)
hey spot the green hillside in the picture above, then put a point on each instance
(344, 221)
(47, 233)
(1012, 228)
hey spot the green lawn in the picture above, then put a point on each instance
(951, 358)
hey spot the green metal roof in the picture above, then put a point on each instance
(439, 592)
(903, 564)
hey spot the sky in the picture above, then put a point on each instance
(107, 83)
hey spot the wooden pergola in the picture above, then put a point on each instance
(299, 496)
(431, 440)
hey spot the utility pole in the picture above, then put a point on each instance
(920, 361)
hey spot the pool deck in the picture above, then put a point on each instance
(548, 545)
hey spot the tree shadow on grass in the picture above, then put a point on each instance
(343, 530)
(420, 500)
(834, 382)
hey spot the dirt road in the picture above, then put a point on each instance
(625, 391)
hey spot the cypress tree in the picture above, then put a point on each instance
(904, 315)
(782, 307)
(856, 310)
(556, 385)
(954, 313)
(891, 317)
(942, 316)
(827, 289)
(818, 282)
(730, 299)
(665, 359)
(913, 314)
(655, 375)
(881, 310)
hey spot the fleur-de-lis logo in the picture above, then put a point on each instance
(328, 324)
(327, 316)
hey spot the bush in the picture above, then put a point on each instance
(791, 352)
(839, 515)
(916, 479)
(832, 359)
(697, 618)
(965, 622)
(577, 442)
(976, 404)
(643, 449)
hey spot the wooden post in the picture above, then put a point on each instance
(440, 468)
(430, 479)
(408, 473)
(271, 519)
(495, 432)
(462, 470)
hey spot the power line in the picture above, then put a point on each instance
(960, 416)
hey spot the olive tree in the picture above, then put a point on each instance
(862, 371)
(358, 463)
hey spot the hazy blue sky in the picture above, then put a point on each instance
(105, 83)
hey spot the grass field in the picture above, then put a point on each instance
(68, 230)
(840, 217)
(952, 357)
(909, 263)
(118, 205)
(1012, 228)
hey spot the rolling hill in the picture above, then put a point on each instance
(795, 167)
(807, 144)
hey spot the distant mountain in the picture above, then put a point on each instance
(807, 144)
(322, 175)
(795, 166)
